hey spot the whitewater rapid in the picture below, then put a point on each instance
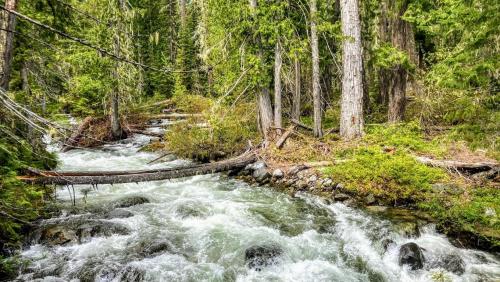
(209, 221)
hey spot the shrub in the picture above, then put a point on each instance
(227, 134)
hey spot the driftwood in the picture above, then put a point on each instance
(148, 133)
(284, 137)
(301, 125)
(174, 116)
(458, 165)
(73, 140)
(115, 177)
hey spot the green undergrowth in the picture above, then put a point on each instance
(19, 202)
(223, 132)
(383, 164)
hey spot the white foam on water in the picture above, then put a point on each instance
(209, 221)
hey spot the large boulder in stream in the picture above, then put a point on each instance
(261, 175)
(130, 201)
(258, 257)
(410, 254)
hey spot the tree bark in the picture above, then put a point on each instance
(277, 86)
(297, 90)
(116, 129)
(264, 99)
(351, 116)
(182, 12)
(7, 22)
(393, 82)
(316, 90)
(114, 177)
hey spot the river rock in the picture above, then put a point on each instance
(258, 257)
(386, 243)
(313, 179)
(410, 254)
(130, 201)
(370, 199)
(341, 197)
(256, 166)
(118, 213)
(261, 175)
(408, 228)
(76, 231)
(131, 274)
(278, 173)
(452, 263)
(296, 169)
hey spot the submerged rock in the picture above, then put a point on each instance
(408, 228)
(258, 257)
(410, 254)
(118, 213)
(452, 263)
(386, 243)
(130, 201)
(75, 231)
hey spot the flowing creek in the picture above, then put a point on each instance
(198, 229)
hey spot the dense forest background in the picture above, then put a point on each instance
(251, 65)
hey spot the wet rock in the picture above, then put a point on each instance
(261, 175)
(341, 197)
(75, 231)
(340, 186)
(118, 213)
(278, 173)
(58, 235)
(301, 185)
(370, 199)
(190, 210)
(452, 263)
(327, 184)
(408, 228)
(258, 257)
(130, 201)
(131, 274)
(156, 247)
(410, 254)
(386, 243)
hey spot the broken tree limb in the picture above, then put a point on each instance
(301, 125)
(147, 133)
(458, 165)
(73, 140)
(66, 178)
(284, 137)
(174, 116)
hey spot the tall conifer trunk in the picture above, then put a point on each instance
(277, 86)
(263, 97)
(296, 92)
(116, 129)
(351, 116)
(7, 23)
(317, 130)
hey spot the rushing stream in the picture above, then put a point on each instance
(201, 227)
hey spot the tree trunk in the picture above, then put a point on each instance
(116, 129)
(351, 116)
(297, 90)
(316, 90)
(277, 86)
(182, 12)
(115, 177)
(264, 99)
(393, 82)
(7, 22)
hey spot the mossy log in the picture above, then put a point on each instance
(472, 167)
(115, 177)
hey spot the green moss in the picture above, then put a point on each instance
(391, 176)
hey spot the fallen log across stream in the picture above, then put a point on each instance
(135, 176)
